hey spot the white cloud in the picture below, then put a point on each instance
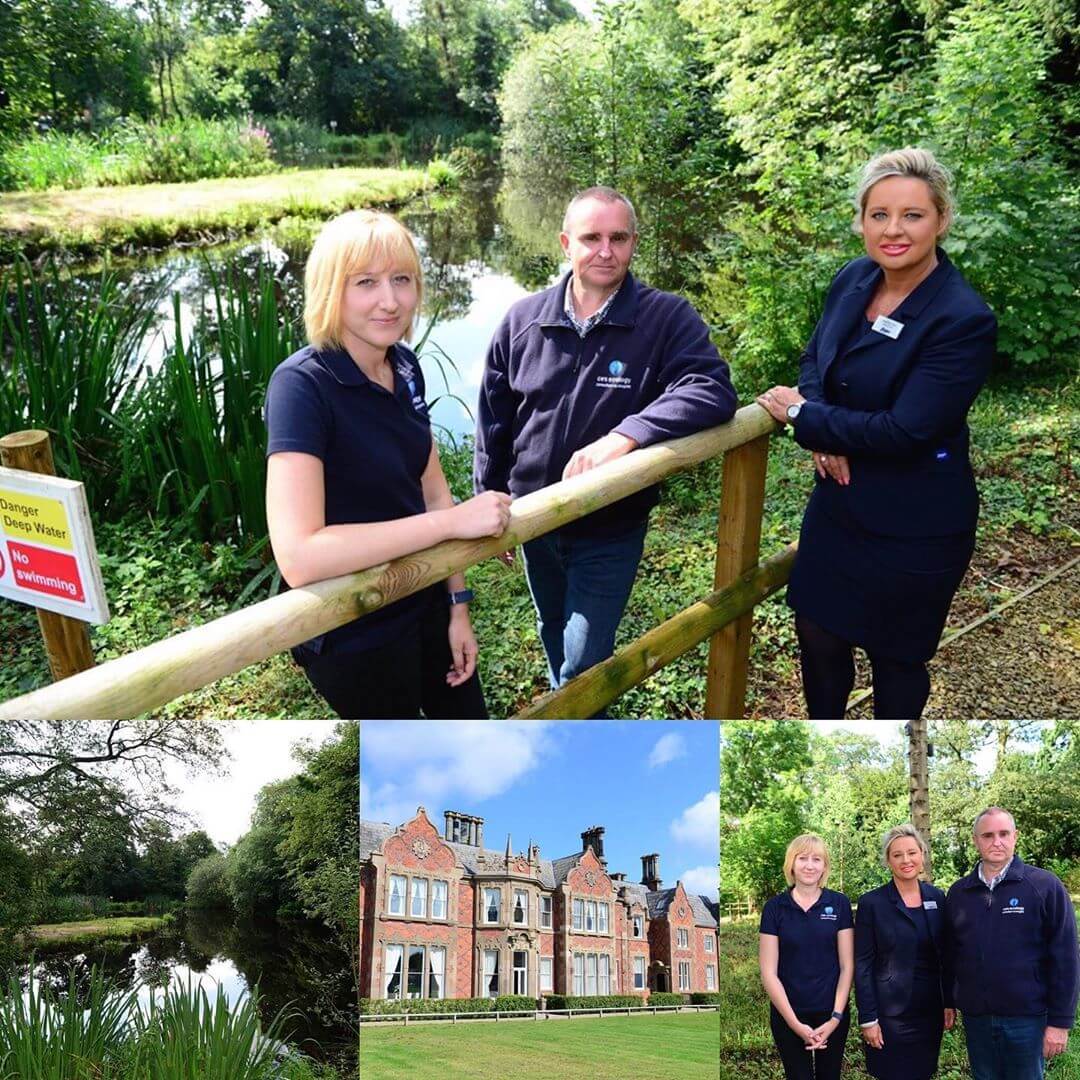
(436, 765)
(668, 748)
(700, 824)
(702, 881)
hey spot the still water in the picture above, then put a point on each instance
(481, 250)
(296, 966)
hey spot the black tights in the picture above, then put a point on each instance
(828, 674)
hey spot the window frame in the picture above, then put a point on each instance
(684, 964)
(547, 982)
(422, 882)
(709, 944)
(485, 907)
(603, 918)
(404, 895)
(445, 900)
(684, 938)
(524, 921)
(578, 908)
(710, 978)
(638, 927)
(514, 970)
(639, 960)
(547, 909)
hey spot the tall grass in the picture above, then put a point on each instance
(199, 432)
(95, 1032)
(133, 152)
(69, 364)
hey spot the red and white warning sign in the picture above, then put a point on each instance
(47, 553)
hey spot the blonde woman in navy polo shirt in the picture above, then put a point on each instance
(806, 955)
(353, 480)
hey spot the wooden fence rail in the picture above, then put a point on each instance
(154, 675)
(530, 1014)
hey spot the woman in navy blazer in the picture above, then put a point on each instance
(902, 973)
(901, 350)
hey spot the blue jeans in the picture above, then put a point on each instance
(1005, 1047)
(580, 587)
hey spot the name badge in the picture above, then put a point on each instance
(930, 905)
(889, 327)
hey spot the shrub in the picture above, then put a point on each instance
(207, 885)
(74, 907)
(667, 999)
(381, 1007)
(514, 1003)
(607, 1001)
(712, 998)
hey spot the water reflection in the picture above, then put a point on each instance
(297, 966)
(481, 250)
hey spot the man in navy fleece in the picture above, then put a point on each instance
(576, 376)
(1015, 957)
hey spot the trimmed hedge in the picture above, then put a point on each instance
(712, 998)
(382, 1007)
(506, 1003)
(609, 1001)
(667, 999)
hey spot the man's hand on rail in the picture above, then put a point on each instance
(611, 446)
(834, 465)
(486, 514)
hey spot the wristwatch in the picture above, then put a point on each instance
(462, 597)
(793, 411)
(836, 1016)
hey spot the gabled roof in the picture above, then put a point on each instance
(374, 833)
(659, 902)
(562, 867)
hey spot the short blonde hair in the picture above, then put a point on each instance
(905, 831)
(357, 240)
(806, 842)
(910, 161)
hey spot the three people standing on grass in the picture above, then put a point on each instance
(1001, 949)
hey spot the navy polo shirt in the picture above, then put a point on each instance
(374, 446)
(809, 965)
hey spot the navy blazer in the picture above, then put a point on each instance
(885, 937)
(897, 407)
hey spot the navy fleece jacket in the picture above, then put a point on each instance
(1015, 949)
(648, 371)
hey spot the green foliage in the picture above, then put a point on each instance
(208, 883)
(605, 1001)
(705, 999)
(384, 1007)
(97, 1032)
(514, 1003)
(661, 998)
(16, 911)
(133, 152)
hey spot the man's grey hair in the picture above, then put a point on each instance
(991, 810)
(603, 194)
(898, 832)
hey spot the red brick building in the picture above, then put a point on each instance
(442, 916)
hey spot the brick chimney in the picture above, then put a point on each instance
(650, 872)
(593, 837)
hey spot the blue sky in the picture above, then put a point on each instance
(653, 785)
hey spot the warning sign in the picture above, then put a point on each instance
(47, 553)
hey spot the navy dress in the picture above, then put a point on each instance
(880, 559)
(913, 1039)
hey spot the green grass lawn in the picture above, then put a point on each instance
(92, 220)
(746, 1046)
(93, 930)
(665, 1047)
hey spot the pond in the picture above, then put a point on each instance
(481, 250)
(296, 966)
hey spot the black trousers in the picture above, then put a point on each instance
(802, 1064)
(403, 679)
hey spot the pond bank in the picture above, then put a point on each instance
(92, 931)
(89, 221)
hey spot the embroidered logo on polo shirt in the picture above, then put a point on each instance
(614, 379)
(418, 402)
(828, 914)
(1013, 908)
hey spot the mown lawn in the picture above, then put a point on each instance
(92, 930)
(746, 1047)
(91, 220)
(667, 1047)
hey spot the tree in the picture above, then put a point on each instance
(207, 884)
(756, 758)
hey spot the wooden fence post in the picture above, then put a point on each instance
(67, 640)
(738, 546)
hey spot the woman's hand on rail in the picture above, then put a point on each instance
(486, 514)
(463, 648)
(834, 465)
(776, 401)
